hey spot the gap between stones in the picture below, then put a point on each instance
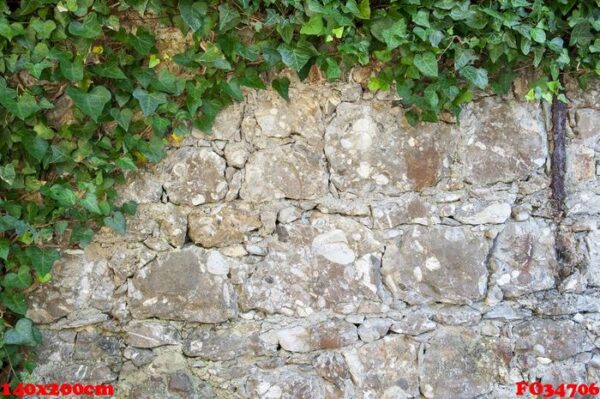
(558, 162)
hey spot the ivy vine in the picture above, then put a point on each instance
(86, 95)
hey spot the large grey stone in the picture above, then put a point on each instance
(502, 149)
(523, 258)
(80, 281)
(287, 383)
(194, 176)
(223, 225)
(294, 171)
(440, 263)
(458, 363)
(329, 262)
(553, 339)
(227, 343)
(372, 149)
(179, 286)
(386, 368)
(151, 334)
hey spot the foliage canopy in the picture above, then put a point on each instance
(59, 166)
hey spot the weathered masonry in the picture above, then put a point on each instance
(323, 248)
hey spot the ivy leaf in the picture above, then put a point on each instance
(149, 101)
(427, 64)
(90, 202)
(123, 117)
(8, 174)
(89, 29)
(228, 17)
(282, 87)
(43, 28)
(116, 222)
(130, 208)
(463, 57)
(15, 301)
(35, 146)
(23, 107)
(42, 259)
(476, 76)
(91, 103)
(314, 26)
(109, 70)
(332, 69)
(581, 34)
(4, 248)
(213, 56)
(60, 153)
(63, 195)
(24, 333)
(21, 279)
(10, 30)
(364, 9)
(295, 57)
(192, 13)
(126, 163)
(538, 35)
(142, 41)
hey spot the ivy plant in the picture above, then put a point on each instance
(86, 95)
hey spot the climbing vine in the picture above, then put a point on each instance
(86, 93)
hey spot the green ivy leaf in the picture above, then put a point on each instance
(116, 222)
(476, 76)
(282, 87)
(192, 13)
(10, 30)
(228, 17)
(295, 57)
(123, 117)
(463, 57)
(149, 101)
(35, 146)
(21, 279)
(8, 174)
(126, 163)
(23, 107)
(581, 34)
(109, 70)
(314, 26)
(90, 202)
(538, 35)
(24, 333)
(91, 103)
(42, 259)
(4, 248)
(143, 42)
(63, 195)
(15, 301)
(89, 29)
(427, 64)
(43, 28)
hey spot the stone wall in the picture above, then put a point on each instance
(323, 248)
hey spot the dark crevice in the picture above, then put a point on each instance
(557, 185)
(558, 170)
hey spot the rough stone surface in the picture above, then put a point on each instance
(457, 362)
(294, 171)
(442, 263)
(223, 225)
(194, 176)
(322, 248)
(180, 286)
(524, 258)
(502, 150)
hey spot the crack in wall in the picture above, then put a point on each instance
(559, 113)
